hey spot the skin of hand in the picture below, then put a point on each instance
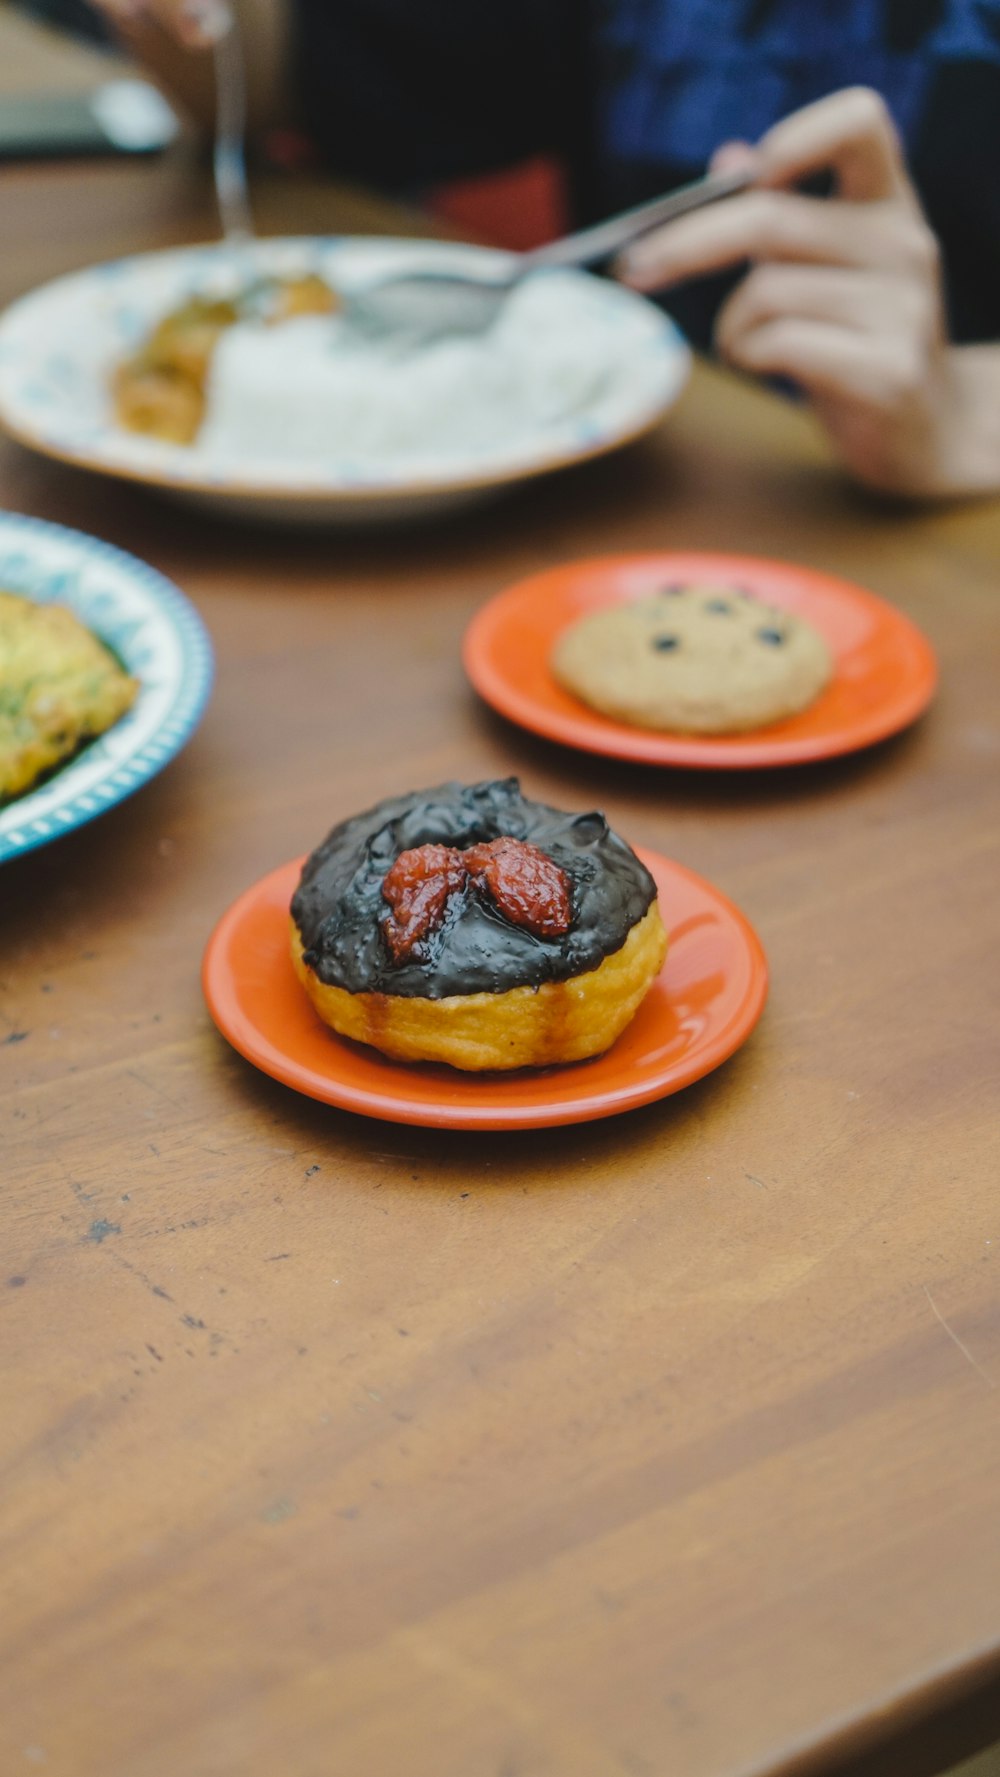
(172, 39)
(844, 296)
(194, 23)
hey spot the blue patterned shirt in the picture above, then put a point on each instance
(634, 95)
(680, 78)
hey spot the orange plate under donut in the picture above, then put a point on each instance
(884, 669)
(704, 1004)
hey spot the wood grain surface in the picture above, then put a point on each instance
(664, 1447)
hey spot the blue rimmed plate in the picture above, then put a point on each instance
(155, 632)
(60, 345)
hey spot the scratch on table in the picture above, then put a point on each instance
(176, 1227)
(150, 1085)
(953, 1336)
(155, 1289)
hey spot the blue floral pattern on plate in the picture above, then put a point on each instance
(155, 632)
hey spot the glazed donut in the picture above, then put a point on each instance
(468, 925)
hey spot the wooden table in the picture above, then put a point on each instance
(662, 1447)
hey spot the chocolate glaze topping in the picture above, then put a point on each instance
(338, 905)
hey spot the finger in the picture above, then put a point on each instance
(194, 23)
(878, 303)
(850, 133)
(734, 157)
(118, 11)
(208, 20)
(836, 363)
(777, 225)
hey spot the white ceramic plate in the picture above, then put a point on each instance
(154, 631)
(59, 345)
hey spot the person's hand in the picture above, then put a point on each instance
(172, 41)
(194, 23)
(844, 295)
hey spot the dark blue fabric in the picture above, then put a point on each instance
(680, 78)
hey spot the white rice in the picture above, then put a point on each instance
(315, 390)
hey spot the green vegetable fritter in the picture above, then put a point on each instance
(59, 687)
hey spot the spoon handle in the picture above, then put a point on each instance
(228, 160)
(590, 245)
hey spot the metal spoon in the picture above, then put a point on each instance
(417, 307)
(423, 305)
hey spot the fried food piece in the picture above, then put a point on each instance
(59, 687)
(160, 390)
(300, 296)
(158, 402)
(185, 340)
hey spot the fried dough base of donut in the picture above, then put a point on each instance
(557, 1022)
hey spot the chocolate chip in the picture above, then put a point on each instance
(720, 606)
(670, 591)
(773, 637)
(665, 643)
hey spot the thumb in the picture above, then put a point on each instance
(733, 157)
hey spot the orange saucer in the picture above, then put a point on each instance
(884, 669)
(706, 1001)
